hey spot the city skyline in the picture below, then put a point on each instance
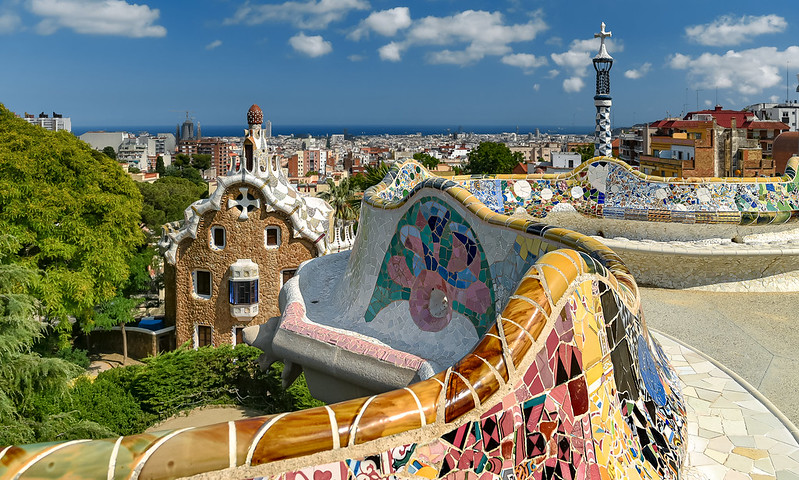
(388, 63)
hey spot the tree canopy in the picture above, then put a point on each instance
(586, 151)
(430, 162)
(343, 198)
(166, 199)
(72, 214)
(492, 158)
(110, 152)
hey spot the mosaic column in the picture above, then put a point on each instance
(603, 62)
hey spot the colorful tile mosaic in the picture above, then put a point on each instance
(565, 383)
(609, 188)
(437, 264)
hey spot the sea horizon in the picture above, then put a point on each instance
(357, 130)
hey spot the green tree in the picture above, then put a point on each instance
(181, 160)
(372, 176)
(430, 162)
(166, 199)
(586, 151)
(159, 165)
(187, 173)
(343, 198)
(134, 170)
(492, 158)
(201, 161)
(112, 313)
(24, 375)
(110, 152)
(74, 215)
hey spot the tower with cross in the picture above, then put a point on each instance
(602, 101)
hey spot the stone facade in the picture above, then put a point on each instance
(244, 239)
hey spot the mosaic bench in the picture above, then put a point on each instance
(562, 379)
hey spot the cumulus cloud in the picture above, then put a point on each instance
(310, 14)
(577, 60)
(636, 73)
(480, 33)
(385, 22)
(728, 30)
(8, 22)
(97, 17)
(391, 52)
(313, 46)
(573, 84)
(536, 87)
(213, 44)
(525, 61)
(747, 72)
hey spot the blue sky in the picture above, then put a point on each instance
(389, 62)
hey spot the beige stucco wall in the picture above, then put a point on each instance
(244, 239)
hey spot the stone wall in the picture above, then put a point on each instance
(244, 239)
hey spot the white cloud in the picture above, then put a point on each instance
(391, 52)
(310, 14)
(313, 46)
(525, 61)
(385, 22)
(213, 44)
(747, 72)
(577, 59)
(536, 87)
(636, 73)
(708, 103)
(774, 98)
(97, 17)
(481, 33)
(553, 73)
(356, 58)
(8, 22)
(729, 30)
(573, 84)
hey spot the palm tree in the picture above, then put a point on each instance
(345, 198)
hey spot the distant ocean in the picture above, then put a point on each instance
(324, 130)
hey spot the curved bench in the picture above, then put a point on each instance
(565, 382)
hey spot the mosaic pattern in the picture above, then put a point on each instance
(609, 188)
(436, 263)
(566, 382)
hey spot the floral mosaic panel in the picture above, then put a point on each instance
(435, 263)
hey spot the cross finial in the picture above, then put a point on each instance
(603, 34)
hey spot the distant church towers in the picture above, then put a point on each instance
(602, 64)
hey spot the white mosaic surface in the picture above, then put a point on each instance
(731, 434)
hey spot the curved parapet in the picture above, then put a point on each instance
(607, 188)
(561, 380)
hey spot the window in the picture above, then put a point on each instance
(272, 237)
(285, 275)
(217, 238)
(243, 292)
(203, 335)
(238, 335)
(202, 283)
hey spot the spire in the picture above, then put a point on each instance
(603, 62)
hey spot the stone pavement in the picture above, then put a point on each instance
(732, 435)
(755, 335)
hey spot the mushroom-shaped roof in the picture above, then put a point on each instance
(785, 146)
(254, 115)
